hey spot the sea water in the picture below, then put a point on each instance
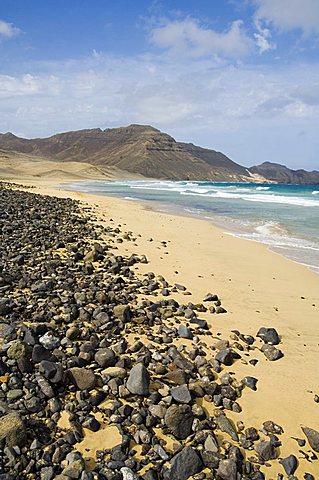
(284, 217)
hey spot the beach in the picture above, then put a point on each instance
(258, 288)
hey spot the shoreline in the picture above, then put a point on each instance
(216, 220)
(257, 288)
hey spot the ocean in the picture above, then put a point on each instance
(284, 217)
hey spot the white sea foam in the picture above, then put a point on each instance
(275, 235)
(262, 188)
(270, 198)
(315, 192)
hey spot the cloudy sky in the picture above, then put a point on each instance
(239, 76)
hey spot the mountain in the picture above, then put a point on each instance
(144, 150)
(136, 149)
(281, 174)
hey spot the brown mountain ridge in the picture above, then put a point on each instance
(140, 149)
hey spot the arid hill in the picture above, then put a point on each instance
(144, 150)
(135, 149)
(282, 174)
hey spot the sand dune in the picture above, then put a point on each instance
(23, 166)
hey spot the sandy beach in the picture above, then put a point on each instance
(258, 288)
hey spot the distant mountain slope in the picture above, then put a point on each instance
(136, 149)
(281, 174)
(144, 150)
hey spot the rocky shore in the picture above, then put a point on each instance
(82, 336)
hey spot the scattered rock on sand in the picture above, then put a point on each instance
(269, 335)
(179, 420)
(290, 464)
(184, 464)
(312, 437)
(138, 380)
(271, 352)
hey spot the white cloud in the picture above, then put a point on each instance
(192, 100)
(263, 38)
(7, 30)
(189, 37)
(290, 14)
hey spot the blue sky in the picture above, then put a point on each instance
(239, 76)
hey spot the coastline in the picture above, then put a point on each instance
(257, 287)
(274, 233)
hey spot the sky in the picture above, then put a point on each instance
(238, 76)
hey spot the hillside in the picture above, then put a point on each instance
(136, 149)
(144, 150)
(282, 174)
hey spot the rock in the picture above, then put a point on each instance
(74, 469)
(157, 411)
(40, 353)
(52, 371)
(290, 464)
(105, 357)
(73, 333)
(17, 350)
(83, 378)
(138, 380)
(211, 444)
(210, 297)
(269, 335)
(150, 475)
(49, 341)
(122, 312)
(185, 332)
(250, 382)
(312, 437)
(14, 394)
(161, 452)
(114, 372)
(184, 464)
(272, 427)
(181, 394)
(225, 356)
(271, 352)
(220, 309)
(91, 256)
(266, 450)
(179, 420)
(13, 430)
(128, 474)
(227, 470)
(225, 425)
(200, 323)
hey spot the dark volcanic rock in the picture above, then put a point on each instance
(271, 352)
(185, 464)
(83, 378)
(269, 335)
(266, 450)
(138, 380)
(181, 394)
(179, 419)
(290, 464)
(227, 470)
(312, 437)
(105, 357)
(225, 356)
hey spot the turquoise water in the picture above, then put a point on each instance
(285, 217)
